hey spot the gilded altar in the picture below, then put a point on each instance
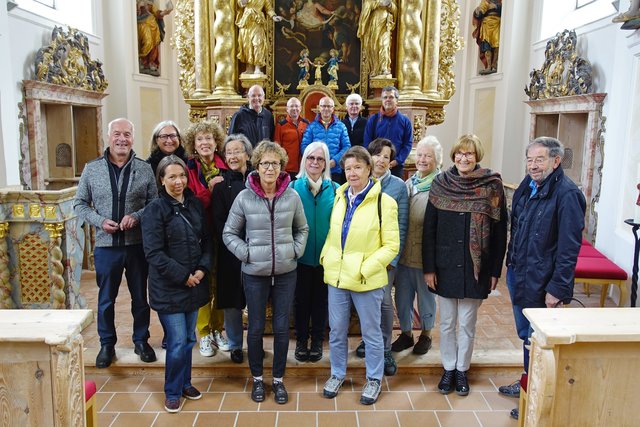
(304, 35)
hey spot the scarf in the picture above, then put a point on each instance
(389, 113)
(423, 184)
(480, 193)
(314, 186)
(209, 171)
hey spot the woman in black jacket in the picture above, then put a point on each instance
(236, 150)
(176, 245)
(463, 246)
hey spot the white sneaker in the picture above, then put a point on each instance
(205, 346)
(219, 340)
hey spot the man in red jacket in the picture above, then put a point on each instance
(289, 135)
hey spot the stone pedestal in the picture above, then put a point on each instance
(41, 250)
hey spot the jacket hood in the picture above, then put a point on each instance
(253, 183)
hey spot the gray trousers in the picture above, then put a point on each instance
(456, 343)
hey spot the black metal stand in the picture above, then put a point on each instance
(634, 273)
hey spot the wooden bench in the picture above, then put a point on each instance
(594, 268)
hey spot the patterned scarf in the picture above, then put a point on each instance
(481, 193)
(423, 184)
(209, 171)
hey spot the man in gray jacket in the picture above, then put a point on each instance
(112, 194)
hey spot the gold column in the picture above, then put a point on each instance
(57, 269)
(431, 62)
(202, 51)
(410, 46)
(5, 284)
(224, 50)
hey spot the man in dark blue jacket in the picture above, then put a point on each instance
(253, 120)
(547, 218)
(390, 123)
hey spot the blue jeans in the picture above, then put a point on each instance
(409, 282)
(233, 327)
(523, 327)
(257, 290)
(181, 337)
(368, 305)
(110, 262)
(386, 318)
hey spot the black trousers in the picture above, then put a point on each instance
(311, 303)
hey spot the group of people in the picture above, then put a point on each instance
(233, 221)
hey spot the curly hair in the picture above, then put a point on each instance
(207, 126)
(266, 146)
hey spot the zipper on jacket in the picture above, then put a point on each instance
(272, 209)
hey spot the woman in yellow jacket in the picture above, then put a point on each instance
(363, 239)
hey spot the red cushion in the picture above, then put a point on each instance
(585, 242)
(524, 382)
(89, 389)
(590, 252)
(598, 268)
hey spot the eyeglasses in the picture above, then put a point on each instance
(538, 161)
(470, 155)
(325, 106)
(267, 165)
(165, 136)
(315, 159)
(233, 153)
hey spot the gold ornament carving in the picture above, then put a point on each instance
(50, 212)
(215, 119)
(227, 123)
(67, 62)
(55, 260)
(18, 211)
(435, 116)
(563, 72)
(183, 42)
(450, 43)
(5, 284)
(197, 114)
(418, 126)
(33, 266)
(34, 211)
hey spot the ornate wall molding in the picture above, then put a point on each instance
(450, 43)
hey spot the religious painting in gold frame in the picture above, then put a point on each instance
(316, 27)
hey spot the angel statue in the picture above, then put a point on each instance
(377, 21)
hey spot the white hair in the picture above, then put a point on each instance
(432, 141)
(353, 97)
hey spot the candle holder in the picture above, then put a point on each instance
(635, 225)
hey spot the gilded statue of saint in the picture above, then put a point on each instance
(252, 33)
(377, 21)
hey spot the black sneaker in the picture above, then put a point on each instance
(302, 352)
(445, 386)
(172, 405)
(423, 345)
(191, 393)
(403, 342)
(360, 351)
(315, 353)
(515, 413)
(511, 390)
(390, 365)
(280, 392)
(257, 392)
(462, 384)
(237, 356)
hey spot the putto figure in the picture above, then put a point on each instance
(374, 30)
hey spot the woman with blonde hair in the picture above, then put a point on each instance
(463, 246)
(203, 142)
